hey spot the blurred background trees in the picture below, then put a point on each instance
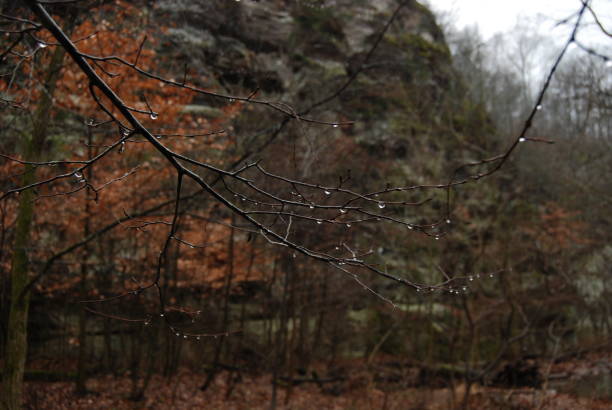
(530, 244)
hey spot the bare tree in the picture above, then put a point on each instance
(278, 208)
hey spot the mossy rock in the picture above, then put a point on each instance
(320, 20)
(428, 50)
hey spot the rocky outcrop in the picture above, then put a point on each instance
(300, 52)
(410, 117)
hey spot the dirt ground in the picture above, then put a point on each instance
(358, 391)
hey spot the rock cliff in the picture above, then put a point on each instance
(412, 123)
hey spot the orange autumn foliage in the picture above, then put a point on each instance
(131, 179)
(557, 230)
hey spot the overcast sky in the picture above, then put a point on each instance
(493, 16)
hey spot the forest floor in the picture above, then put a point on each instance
(573, 384)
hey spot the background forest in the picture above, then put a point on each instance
(358, 247)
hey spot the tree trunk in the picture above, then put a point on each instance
(32, 149)
(82, 361)
(229, 276)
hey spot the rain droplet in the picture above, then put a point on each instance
(90, 122)
(437, 238)
(448, 221)
(522, 139)
(491, 275)
(42, 45)
(410, 227)
(125, 132)
(539, 107)
(608, 63)
(153, 115)
(464, 288)
(471, 278)
(122, 147)
(184, 336)
(231, 100)
(177, 334)
(198, 338)
(418, 289)
(337, 248)
(147, 322)
(336, 125)
(381, 205)
(327, 192)
(191, 246)
(348, 225)
(294, 255)
(78, 175)
(342, 210)
(161, 315)
(311, 206)
(319, 222)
